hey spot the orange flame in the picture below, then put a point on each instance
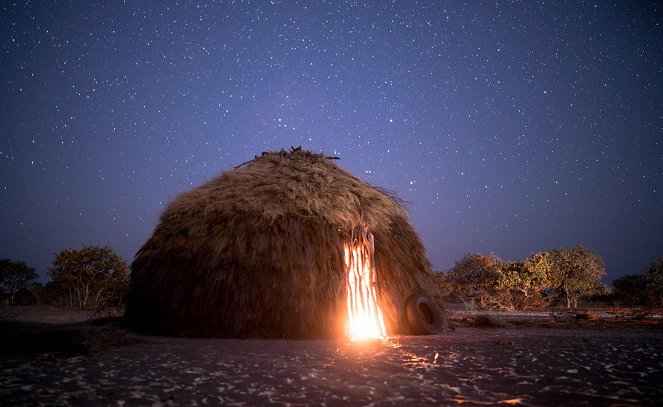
(364, 314)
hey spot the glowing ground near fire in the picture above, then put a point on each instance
(532, 362)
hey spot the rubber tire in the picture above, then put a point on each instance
(424, 315)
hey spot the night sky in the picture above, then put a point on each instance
(509, 127)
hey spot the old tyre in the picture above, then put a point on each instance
(424, 316)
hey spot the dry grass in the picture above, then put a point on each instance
(561, 318)
(477, 321)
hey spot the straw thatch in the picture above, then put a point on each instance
(258, 252)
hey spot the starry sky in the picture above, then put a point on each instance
(508, 127)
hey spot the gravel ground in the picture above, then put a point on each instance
(571, 364)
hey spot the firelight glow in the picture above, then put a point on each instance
(365, 319)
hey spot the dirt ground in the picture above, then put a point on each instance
(500, 359)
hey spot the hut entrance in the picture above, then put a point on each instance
(365, 319)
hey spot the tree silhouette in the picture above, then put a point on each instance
(15, 276)
(91, 277)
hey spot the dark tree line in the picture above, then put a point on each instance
(89, 278)
(16, 281)
(641, 289)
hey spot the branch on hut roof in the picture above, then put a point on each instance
(283, 153)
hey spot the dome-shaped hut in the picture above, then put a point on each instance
(265, 249)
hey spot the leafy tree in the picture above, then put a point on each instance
(474, 278)
(539, 266)
(15, 276)
(631, 289)
(491, 283)
(654, 281)
(92, 277)
(576, 272)
(525, 281)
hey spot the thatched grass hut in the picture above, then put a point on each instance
(259, 252)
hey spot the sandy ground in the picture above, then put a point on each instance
(44, 314)
(515, 363)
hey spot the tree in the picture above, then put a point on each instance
(15, 276)
(631, 289)
(654, 281)
(576, 272)
(526, 280)
(474, 278)
(92, 277)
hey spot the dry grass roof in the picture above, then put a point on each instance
(257, 251)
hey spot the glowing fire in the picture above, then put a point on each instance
(364, 314)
